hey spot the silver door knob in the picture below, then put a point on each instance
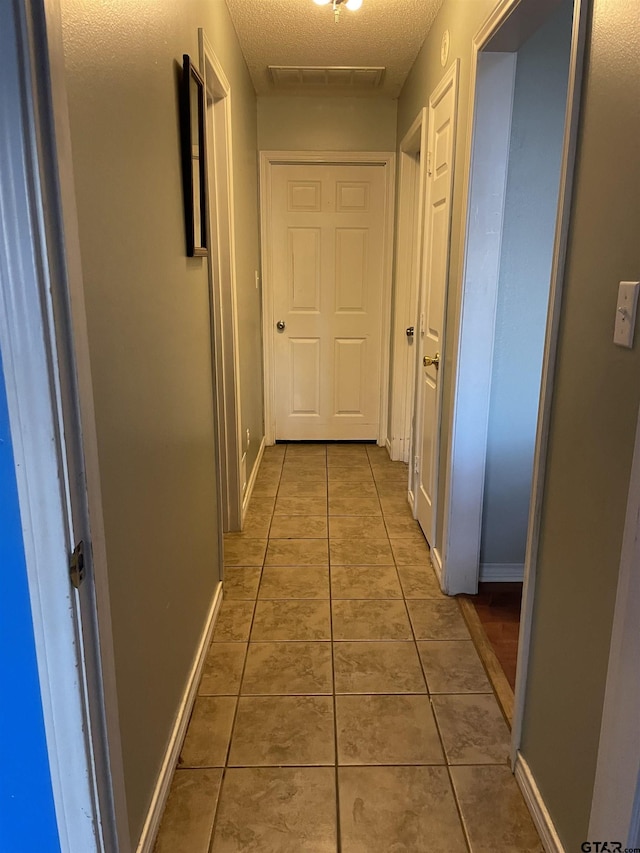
(280, 325)
(409, 331)
(427, 361)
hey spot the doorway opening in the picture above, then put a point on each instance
(411, 191)
(521, 153)
(222, 290)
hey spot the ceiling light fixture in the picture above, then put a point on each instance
(336, 5)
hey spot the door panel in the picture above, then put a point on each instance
(327, 265)
(441, 143)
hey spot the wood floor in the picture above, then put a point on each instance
(498, 607)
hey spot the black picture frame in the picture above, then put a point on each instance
(192, 132)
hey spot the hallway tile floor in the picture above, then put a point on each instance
(342, 706)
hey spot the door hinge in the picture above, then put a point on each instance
(416, 464)
(429, 169)
(76, 565)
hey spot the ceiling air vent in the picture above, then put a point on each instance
(333, 77)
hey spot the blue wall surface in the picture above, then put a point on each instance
(27, 816)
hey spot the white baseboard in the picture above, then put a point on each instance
(252, 479)
(436, 561)
(501, 572)
(533, 798)
(163, 783)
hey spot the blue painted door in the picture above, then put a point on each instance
(27, 816)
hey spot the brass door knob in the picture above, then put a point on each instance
(280, 326)
(427, 361)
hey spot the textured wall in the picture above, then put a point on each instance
(531, 204)
(149, 338)
(330, 124)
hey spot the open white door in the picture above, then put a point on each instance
(435, 274)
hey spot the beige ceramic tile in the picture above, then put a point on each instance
(419, 582)
(307, 488)
(301, 506)
(283, 730)
(208, 733)
(295, 582)
(408, 552)
(273, 452)
(360, 474)
(473, 729)
(244, 552)
(387, 730)
(299, 527)
(370, 620)
(437, 620)
(408, 809)
(297, 552)
(390, 488)
(493, 811)
(453, 666)
(261, 505)
(354, 506)
(396, 506)
(400, 527)
(234, 622)
(365, 582)
(291, 620)
(265, 486)
(357, 527)
(288, 668)
(188, 816)
(256, 526)
(384, 667)
(342, 461)
(360, 552)
(222, 669)
(304, 474)
(277, 810)
(352, 490)
(241, 582)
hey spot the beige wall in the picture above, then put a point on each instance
(148, 322)
(329, 124)
(595, 402)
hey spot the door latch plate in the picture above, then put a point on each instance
(76, 565)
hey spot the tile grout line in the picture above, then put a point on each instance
(238, 695)
(333, 680)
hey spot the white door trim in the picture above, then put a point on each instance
(614, 808)
(269, 159)
(44, 344)
(221, 268)
(408, 256)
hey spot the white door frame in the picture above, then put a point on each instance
(408, 253)
(615, 808)
(222, 283)
(43, 337)
(269, 159)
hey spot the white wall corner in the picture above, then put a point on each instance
(536, 805)
(174, 745)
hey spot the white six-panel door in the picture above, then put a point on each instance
(327, 252)
(441, 147)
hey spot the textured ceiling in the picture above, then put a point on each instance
(298, 32)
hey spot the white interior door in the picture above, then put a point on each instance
(327, 267)
(441, 147)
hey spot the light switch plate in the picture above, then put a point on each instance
(626, 313)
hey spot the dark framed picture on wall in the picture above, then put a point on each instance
(192, 112)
